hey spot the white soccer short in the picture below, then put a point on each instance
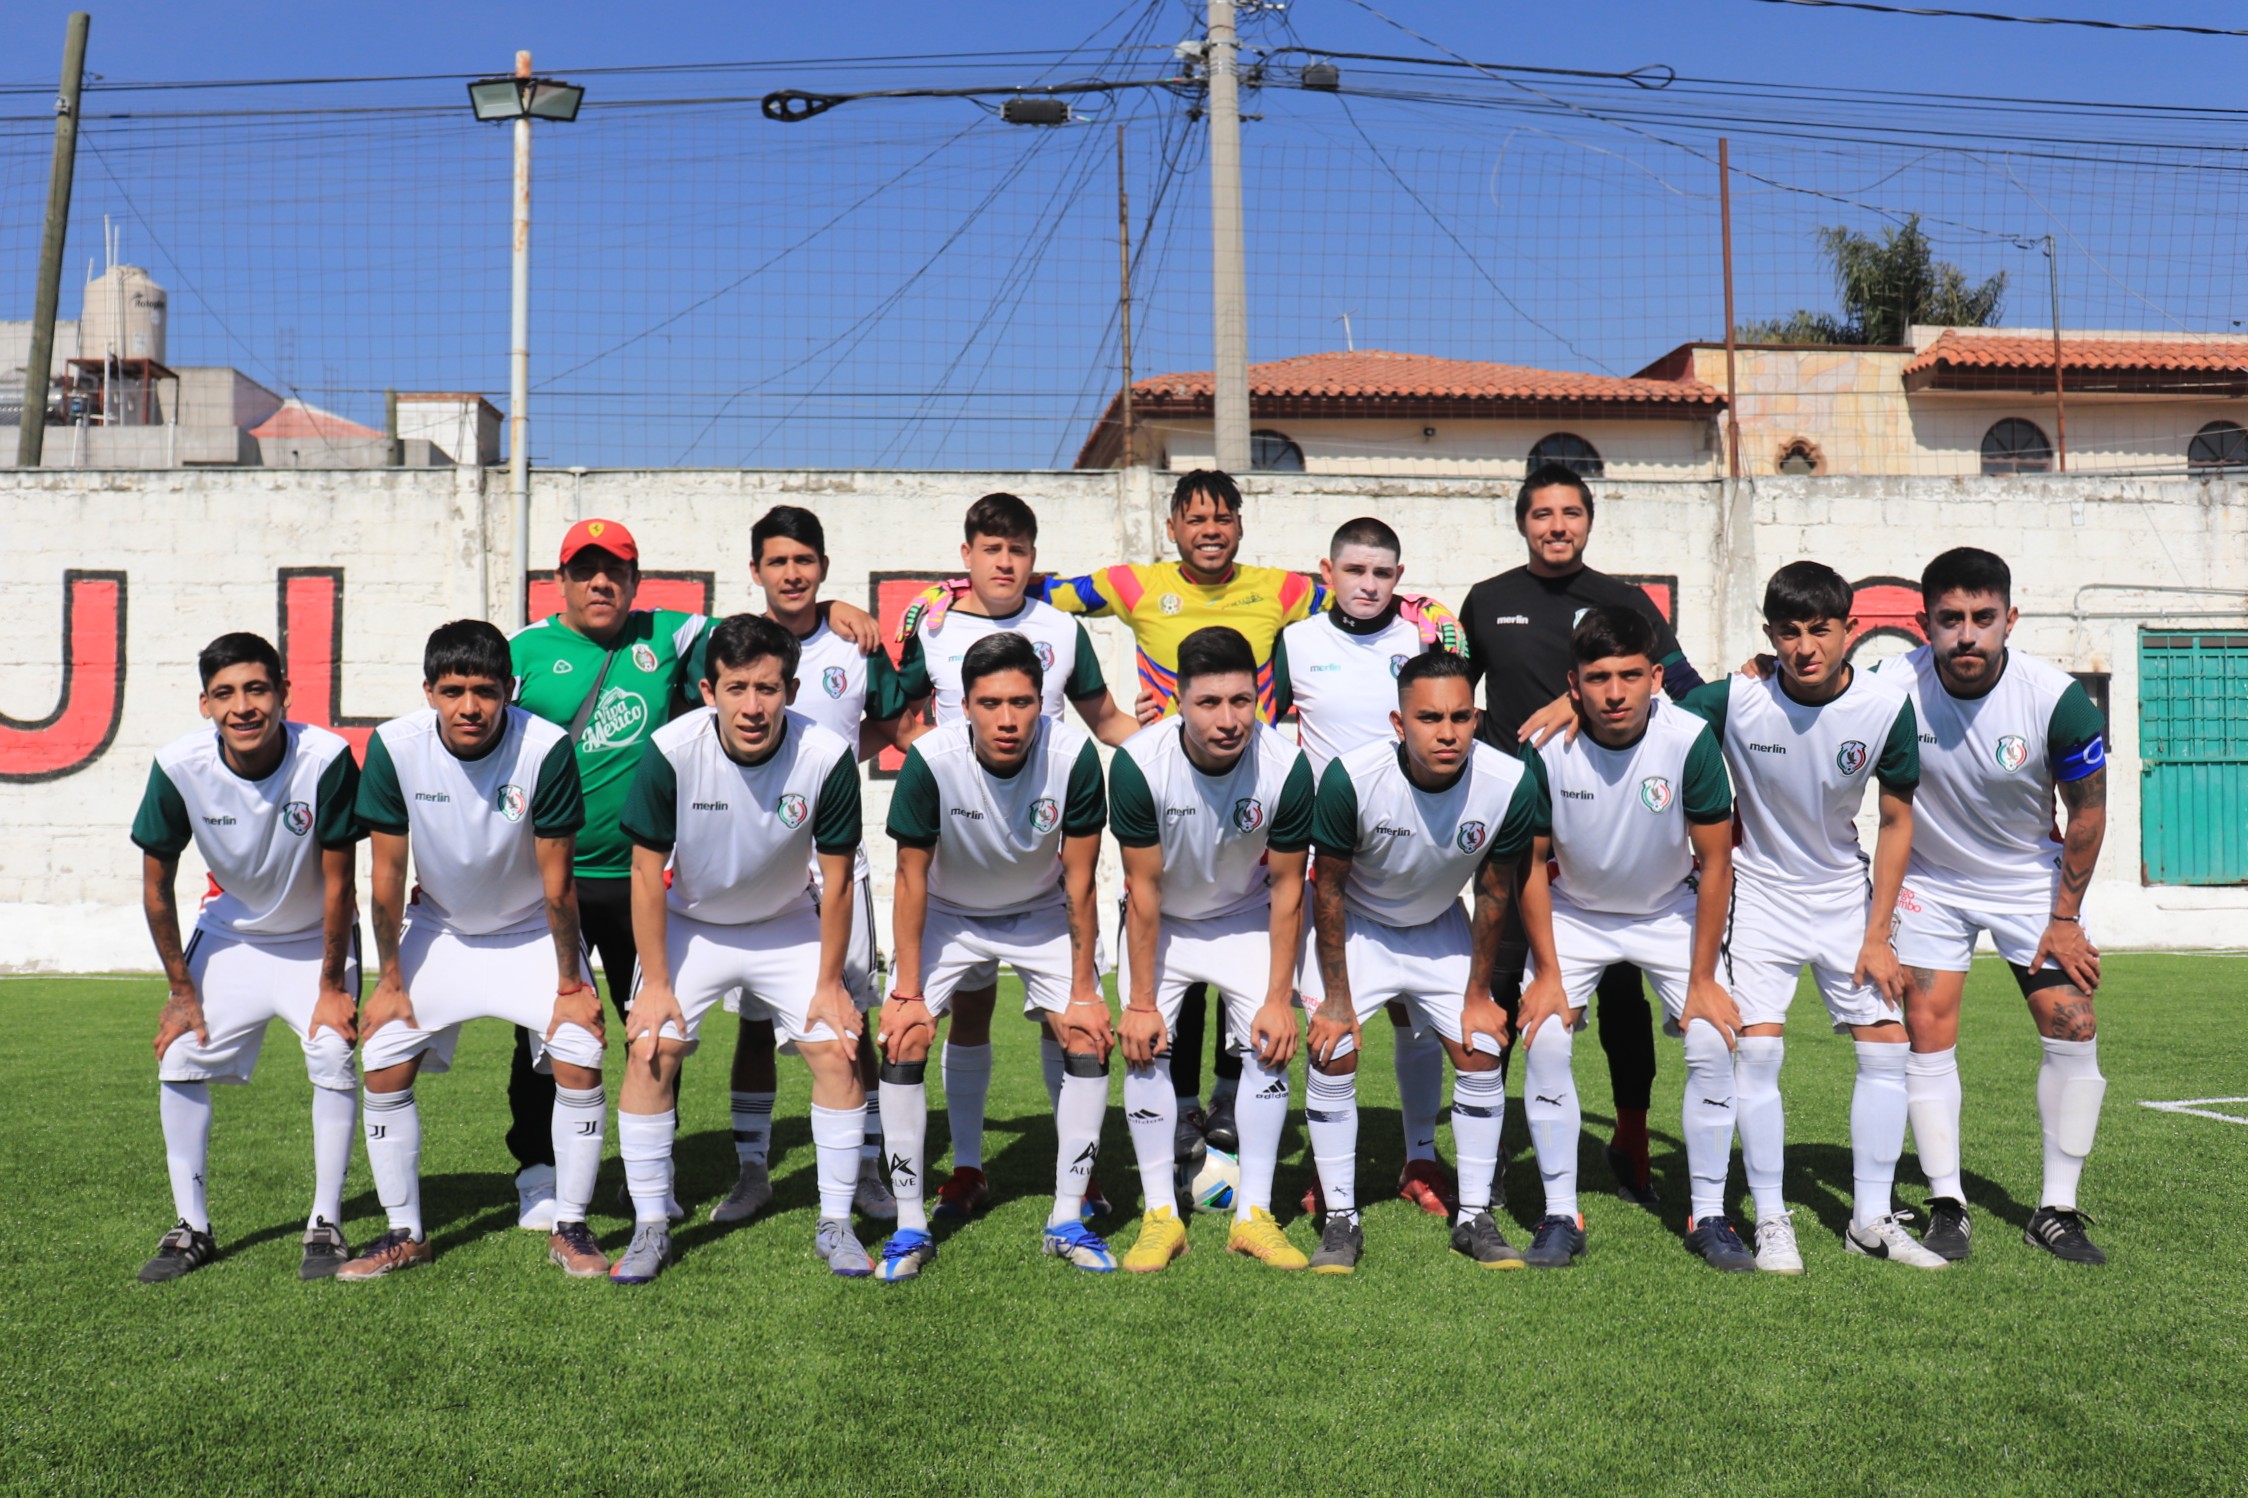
(772, 965)
(1769, 939)
(858, 957)
(1936, 925)
(1231, 953)
(962, 952)
(1589, 942)
(452, 979)
(1423, 966)
(245, 986)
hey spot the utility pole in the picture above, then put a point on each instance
(519, 371)
(1732, 391)
(2060, 401)
(31, 434)
(1229, 320)
(1124, 290)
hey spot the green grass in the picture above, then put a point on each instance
(747, 1367)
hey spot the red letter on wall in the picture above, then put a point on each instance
(85, 720)
(311, 610)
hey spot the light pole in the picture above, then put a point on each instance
(522, 99)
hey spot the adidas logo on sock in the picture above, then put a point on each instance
(1143, 1115)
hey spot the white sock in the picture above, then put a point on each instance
(1478, 1115)
(967, 1086)
(1077, 1128)
(1762, 1119)
(1051, 1066)
(1331, 1118)
(335, 1118)
(1707, 1119)
(1260, 1115)
(2069, 1091)
(579, 1117)
(1877, 1129)
(644, 1144)
(392, 1125)
(1151, 1115)
(837, 1134)
(753, 1127)
(185, 1111)
(1549, 1099)
(870, 1140)
(905, 1133)
(1419, 1060)
(1932, 1103)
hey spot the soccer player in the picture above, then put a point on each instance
(485, 796)
(268, 805)
(2001, 734)
(1213, 812)
(1803, 746)
(1401, 828)
(998, 823)
(1000, 551)
(1518, 625)
(1338, 671)
(855, 695)
(1642, 835)
(726, 812)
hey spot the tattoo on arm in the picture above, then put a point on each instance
(2086, 801)
(1328, 924)
(562, 920)
(160, 902)
(1494, 900)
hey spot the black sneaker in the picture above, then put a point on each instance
(1219, 1129)
(325, 1252)
(2060, 1232)
(1557, 1243)
(1626, 1171)
(1719, 1243)
(1339, 1246)
(178, 1252)
(1948, 1229)
(1479, 1238)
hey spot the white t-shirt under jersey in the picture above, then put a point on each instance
(1343, 686)
(1412, 851)
(932, 658)
(1214, 830)
(998, 839)
(1620, 816)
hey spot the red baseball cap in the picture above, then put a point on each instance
(606, 535)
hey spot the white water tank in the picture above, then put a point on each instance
(124, 315)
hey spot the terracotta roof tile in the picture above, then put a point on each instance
(1958, 349)
(297, 419)
(1377, 375)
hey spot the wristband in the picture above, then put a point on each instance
(2073, 920)
(906, 998)
(563, 993)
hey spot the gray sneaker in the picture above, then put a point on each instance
(873, 1199)
(180, 1251)
(645, 1259)
(834, 1241)
(325, 1252)
(752, 1194)
(1340, 1245)
(1479, 1238)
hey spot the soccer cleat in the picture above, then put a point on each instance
(1886, 1238)
(752, 1194)
(325, 1252)
(1219, 1130)
(905, 1254)
(962, 1195)
(1080, 1245)
(1635, 1180)
(1948, 1229)
(1188, 1143)
(178, 1252)
(1315, 1199)
(572, 1247)
(1479, 1238)
(1162, 1238)
(1341, 1245)
(1776, 1250)
(1557, 1243)
(1096, 1201)
(2060, 1232)
(1720, 1245)
(534, 1199)
(1429, 1186)
(1260, 1238)
(645, 1258)
(872, 1198)
(834, 1242)
(395, 1250)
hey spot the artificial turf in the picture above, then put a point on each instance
(747, 1368)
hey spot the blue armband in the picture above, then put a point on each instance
(2080, 761)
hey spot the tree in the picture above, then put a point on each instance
(1885, 286)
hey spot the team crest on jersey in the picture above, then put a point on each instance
(2011, 752)
(1471, 836)
(1248, 814)
(643, 657)
(1851, 757)
(1655, 793)
(834, 681)
(1396, 664)
(619, 719)
(1170, 603)
(1044, 814)
(512, 802)
(1045, 655)
(792, 811)
(297, 817)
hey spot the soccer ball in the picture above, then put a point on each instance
(1216, 1182)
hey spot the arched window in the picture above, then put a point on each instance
(2219, 447)
(1801, 456)
(2016, 446)
(1272, 452)
(1569, 450)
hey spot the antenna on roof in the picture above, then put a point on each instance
(1349, 344)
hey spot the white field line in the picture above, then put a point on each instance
(2194, 1106)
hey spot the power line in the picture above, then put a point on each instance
(1988, 15)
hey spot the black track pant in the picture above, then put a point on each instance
(1186, 1044)
(605, 920)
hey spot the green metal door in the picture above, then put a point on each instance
(2193, 736)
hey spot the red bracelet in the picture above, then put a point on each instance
(563, 993)
(906, 998)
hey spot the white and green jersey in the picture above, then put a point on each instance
(740, 836)
(1214, 830)
(998, 838)
(1800, 772)
(1620, 816)
(1982, 821)
(839, 688)
(1412, 851)
(473, 822)
(1343, 686)
(931, 658)
(260, 838)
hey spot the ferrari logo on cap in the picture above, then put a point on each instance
(596, 528)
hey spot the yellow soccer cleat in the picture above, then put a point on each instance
(1260, 1238)
(1162, 1239)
